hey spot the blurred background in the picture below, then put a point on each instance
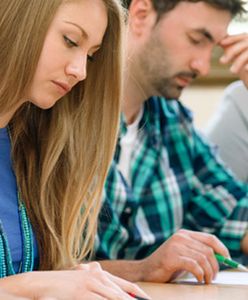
(203, 96)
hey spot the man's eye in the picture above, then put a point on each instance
(69, 42)
(195, 41)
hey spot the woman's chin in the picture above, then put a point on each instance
(45, 104)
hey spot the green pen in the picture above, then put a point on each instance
(230, 263)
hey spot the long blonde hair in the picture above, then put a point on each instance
(61, 156)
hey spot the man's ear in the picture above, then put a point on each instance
(142, 16)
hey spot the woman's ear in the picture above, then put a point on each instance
(142, 16)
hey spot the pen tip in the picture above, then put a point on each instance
(242, 268)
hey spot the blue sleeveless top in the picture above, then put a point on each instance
(10, 213)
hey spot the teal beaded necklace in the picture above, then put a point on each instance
(6, 266)
(27, 263)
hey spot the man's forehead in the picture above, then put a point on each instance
(200, 17)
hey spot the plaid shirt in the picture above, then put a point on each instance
(176, 181)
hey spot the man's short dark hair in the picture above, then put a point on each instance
(235, 7)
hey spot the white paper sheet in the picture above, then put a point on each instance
(224, 277)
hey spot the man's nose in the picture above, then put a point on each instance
(201, 64)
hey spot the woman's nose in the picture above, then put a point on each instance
(77, 67)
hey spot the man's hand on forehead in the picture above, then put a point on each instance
(236, 53)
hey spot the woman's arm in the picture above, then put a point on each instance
(7, 296)
(88, 282)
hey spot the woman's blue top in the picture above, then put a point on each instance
(9, 215)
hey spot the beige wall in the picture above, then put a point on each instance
(202, 100)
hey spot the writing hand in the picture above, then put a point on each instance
(185, 251)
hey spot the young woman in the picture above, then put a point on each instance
(57, 137)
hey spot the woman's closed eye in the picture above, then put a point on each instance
(70, 43)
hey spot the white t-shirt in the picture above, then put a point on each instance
(127, 144)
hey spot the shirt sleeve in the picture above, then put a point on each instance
(219, 202)
(112, 234)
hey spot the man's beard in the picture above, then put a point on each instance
(157, 65)
(168, 87)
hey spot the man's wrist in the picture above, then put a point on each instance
(132, 270)
(244, 243)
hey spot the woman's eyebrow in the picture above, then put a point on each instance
(84, 33)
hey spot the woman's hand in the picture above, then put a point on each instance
(113, 282)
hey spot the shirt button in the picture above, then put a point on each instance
(128, 210)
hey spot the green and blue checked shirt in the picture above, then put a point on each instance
(177, 181)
